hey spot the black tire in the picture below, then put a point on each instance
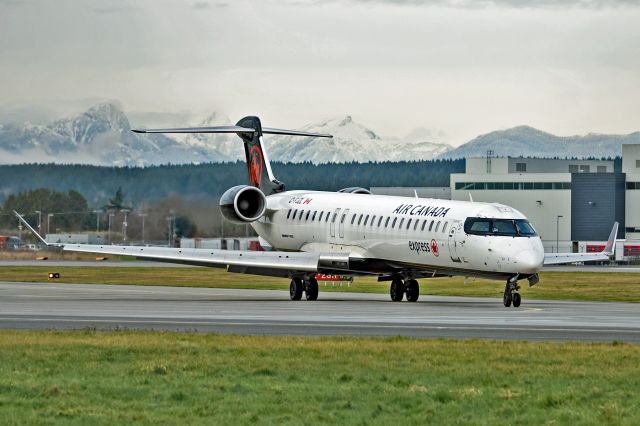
(516, 300)
(311, 289)
(413, 290)
(295, 289)
(397, 290)
(506, 299)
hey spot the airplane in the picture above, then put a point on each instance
(353, 232)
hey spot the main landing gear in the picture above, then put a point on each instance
(511, 294)
(298, 286)
(399, 288)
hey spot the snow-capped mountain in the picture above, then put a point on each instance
(102, 136)
(351, 142)
(526, 141)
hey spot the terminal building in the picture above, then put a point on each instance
(571, 203)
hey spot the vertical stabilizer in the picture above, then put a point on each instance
(258, 164)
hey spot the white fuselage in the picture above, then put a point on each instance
(411, 231)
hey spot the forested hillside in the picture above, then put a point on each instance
(151, 184)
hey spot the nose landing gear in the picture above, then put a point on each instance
(511, 294)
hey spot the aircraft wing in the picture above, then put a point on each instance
(606, 254)
(270, 263)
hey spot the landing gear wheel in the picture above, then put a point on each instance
(295, 289)
(397, 290)
(516, 300)
(413, 290)
(510, 293)
(311, 289)
(506, 299)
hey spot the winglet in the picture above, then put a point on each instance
(610, 248)
(30, 228)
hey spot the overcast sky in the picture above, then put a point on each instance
(460, 67)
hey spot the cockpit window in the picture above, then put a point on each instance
(525, 228)
(499, 227)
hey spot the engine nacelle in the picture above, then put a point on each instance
(243, 203)
(355, 190)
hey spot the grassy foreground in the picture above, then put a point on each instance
(150, 378)
(601, 286)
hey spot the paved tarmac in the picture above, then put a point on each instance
(79, 306)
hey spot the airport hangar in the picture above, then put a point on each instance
(571, 203)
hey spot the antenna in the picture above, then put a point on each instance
(489, 155)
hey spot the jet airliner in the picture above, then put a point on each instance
(353, 232)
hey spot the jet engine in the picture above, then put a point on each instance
(243, 203)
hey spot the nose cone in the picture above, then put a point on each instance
(530, 261)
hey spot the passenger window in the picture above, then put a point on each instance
(380, 221)
(366, 220)
(359, 220)
(444, 227)
(424, 223)
(335, 216)
(320, 217)
(393, 224)
(409, 223)
(353, 219)
(344, 216)
(307, 216)
(295, 212)
(386, 222)
(415, 226)
(314, 215)
(437, 226)
(431, 225)
(288, 213)
(327, 217)
(400, 224)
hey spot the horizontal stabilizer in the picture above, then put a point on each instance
(217, 129)
(268, 130)
(233, 129)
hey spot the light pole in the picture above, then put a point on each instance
(143, 215)
(110, 219)
(39, 221)
(124, 224)
(49, 216)
(558, 232)
(97, 212)
(170, 225)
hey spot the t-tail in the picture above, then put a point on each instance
(250, 130)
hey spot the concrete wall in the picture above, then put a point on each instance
(597, 200)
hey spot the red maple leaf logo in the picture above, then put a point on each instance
(434, 248)
(255, 166)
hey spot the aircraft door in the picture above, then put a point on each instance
(342, 220)
(456, 228)
(332, 225)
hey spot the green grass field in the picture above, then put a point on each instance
(157, 378)
(601, 286)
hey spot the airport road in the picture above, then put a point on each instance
(78, 306)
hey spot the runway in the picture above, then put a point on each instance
(80, 306)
